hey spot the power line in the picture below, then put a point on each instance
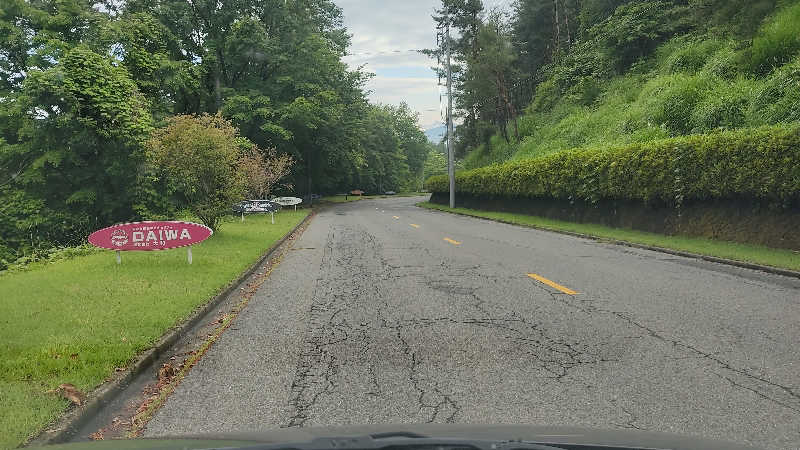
(386, 52)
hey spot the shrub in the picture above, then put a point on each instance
(498, 150)
(200, 155)
(777, 42)
(585, 91)
(47, 256)
(689, 57)
(779, 98)
(547, 94)
(723, 63)
(761, 164)
(726, 106)
(673, 100)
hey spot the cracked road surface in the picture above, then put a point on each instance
(369, 319)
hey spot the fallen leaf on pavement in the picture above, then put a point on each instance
(166, 372)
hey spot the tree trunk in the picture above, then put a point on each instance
(475, 34)
(513, 111)
(557, 45)
(218, 76)
(566, 23)
(217, 90)
(509, 111)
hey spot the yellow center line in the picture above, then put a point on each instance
(414, 225)
(552, 284)
(452, 241)
(395, 217)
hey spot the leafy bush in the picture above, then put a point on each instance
(547, 94)
(691, 55)
(724, 63)
(674, 99)
(497, 151)
(726, 106)
(585, 91)
(48, 256)
(761, 164)
(777, 42)
(779, 98)
(200, 156)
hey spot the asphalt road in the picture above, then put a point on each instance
(388, 313)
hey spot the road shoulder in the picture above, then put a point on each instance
(793, 257)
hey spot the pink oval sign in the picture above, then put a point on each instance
(150, 235)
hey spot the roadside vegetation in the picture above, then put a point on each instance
(597, 74)
(87, 88)
(761, 164)
(660, 102)
(786, 259)
(77, 320)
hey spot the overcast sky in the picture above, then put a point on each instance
(383, 33)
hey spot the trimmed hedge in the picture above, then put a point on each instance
(761, 164)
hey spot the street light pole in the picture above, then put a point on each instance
(451, 171)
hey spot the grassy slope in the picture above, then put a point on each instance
(692, 84)
(74, 321)
(730, 250)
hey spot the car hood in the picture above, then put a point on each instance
(578, 438)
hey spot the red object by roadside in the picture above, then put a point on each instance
(150, 235)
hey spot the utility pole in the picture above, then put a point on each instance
(451, 170)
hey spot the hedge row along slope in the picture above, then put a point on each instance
(761, 164)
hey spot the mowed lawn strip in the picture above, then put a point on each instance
(756, 254)
(75, 321)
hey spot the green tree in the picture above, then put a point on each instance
(82, 85)
(637, 28)
(435, 164)
(78, 129)
(201, 157)
(491, 73)
(412, 142)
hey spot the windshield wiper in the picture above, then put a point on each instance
(401, 441)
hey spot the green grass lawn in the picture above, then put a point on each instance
(74, 321)
(757, 254)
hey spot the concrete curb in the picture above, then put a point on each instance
(74, 418)
(730, 262)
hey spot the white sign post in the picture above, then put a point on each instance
(288, 201)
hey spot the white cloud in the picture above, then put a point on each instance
(421, 94)
(388, 26)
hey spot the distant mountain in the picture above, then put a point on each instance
(436, 133)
